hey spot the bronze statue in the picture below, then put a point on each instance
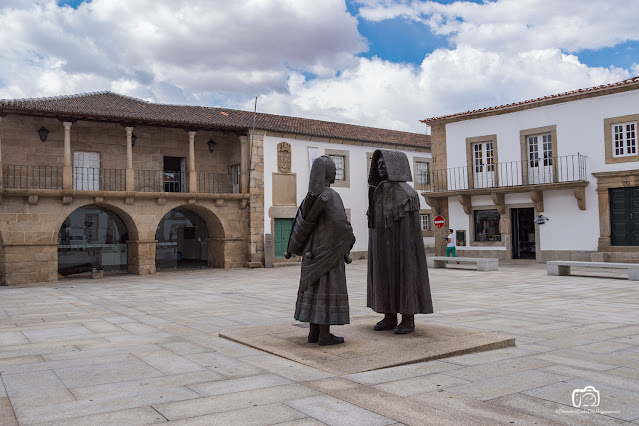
(324, 237)
(397, 272)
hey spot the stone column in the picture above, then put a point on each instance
(130, 177)
(244, 160)
(141, 256)
(1, 166)
(256, 209)
(191, 165)
(67, 170)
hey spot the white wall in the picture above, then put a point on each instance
(580, 129)
(354, 198)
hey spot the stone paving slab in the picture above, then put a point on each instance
(582, 330)
(262, 415)
(366, 349)
(7, 418)
(233, 401)
(132, 417)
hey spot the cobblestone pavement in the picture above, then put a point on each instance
(145, 349)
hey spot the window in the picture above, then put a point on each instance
(540, 168)
(342, 172)
(487, 225)
(421, 173)
(620, 139)
(481, 162)
(86, 170)
(339, 166)
(538, 158)
(424, 220)
(546, 148)
(624, 136)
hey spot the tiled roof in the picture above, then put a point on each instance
(113, 106)
(630, 84)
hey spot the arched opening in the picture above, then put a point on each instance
(182, 240)
(92, 237)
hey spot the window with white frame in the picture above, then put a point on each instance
(624, 139)
(425, 220)
(421, 173)
(339, 167)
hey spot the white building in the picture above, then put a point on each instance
(287, 163)
(572, 157)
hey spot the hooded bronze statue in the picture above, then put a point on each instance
(397, 272)
(323, 236)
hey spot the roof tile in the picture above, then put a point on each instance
(109, 105)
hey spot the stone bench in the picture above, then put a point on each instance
(562, 267)
(483, 263)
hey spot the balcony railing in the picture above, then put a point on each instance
(94, 179)
(216, 183)
(159, 181)
(97, 179)
(569, 168)
(30, 177)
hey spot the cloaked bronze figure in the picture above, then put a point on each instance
(323, 237)
(397, 272)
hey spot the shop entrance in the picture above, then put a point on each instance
(182, 240)
(523, 233)
(92, 237)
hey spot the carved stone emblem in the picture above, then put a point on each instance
(284, 157)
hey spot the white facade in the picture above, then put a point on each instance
(579, 128)
(355, 196)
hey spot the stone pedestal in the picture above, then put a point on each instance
(141, 257)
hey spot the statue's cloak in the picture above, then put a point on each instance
(397, 272)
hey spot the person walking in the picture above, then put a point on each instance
(450, 244)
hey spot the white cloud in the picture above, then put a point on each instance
(198, 46)
(216, 52)
(515, 25)
(388, 95)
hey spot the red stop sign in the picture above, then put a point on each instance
(439, 222)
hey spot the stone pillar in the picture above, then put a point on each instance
(256, 208)
(141, 256)
(1, 166)
(244, 161)
(67, 170)
(130, 177)
(191, 163)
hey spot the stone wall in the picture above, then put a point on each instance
(256, 187)
(29, 228)
(21, 145)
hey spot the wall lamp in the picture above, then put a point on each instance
(133, 139)
(211, 144)
(43, 134)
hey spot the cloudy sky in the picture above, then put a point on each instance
(381, 63)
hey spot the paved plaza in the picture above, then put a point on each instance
(133, 350)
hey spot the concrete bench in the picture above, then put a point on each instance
(483, 263)
(562, 267)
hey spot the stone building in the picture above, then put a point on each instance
(571, 157)
(102, 181)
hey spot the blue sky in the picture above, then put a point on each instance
(382, 63)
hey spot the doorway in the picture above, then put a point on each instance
(624, 216)
(523, 233)
(182, 240)
(174, 174)
(483, 165)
